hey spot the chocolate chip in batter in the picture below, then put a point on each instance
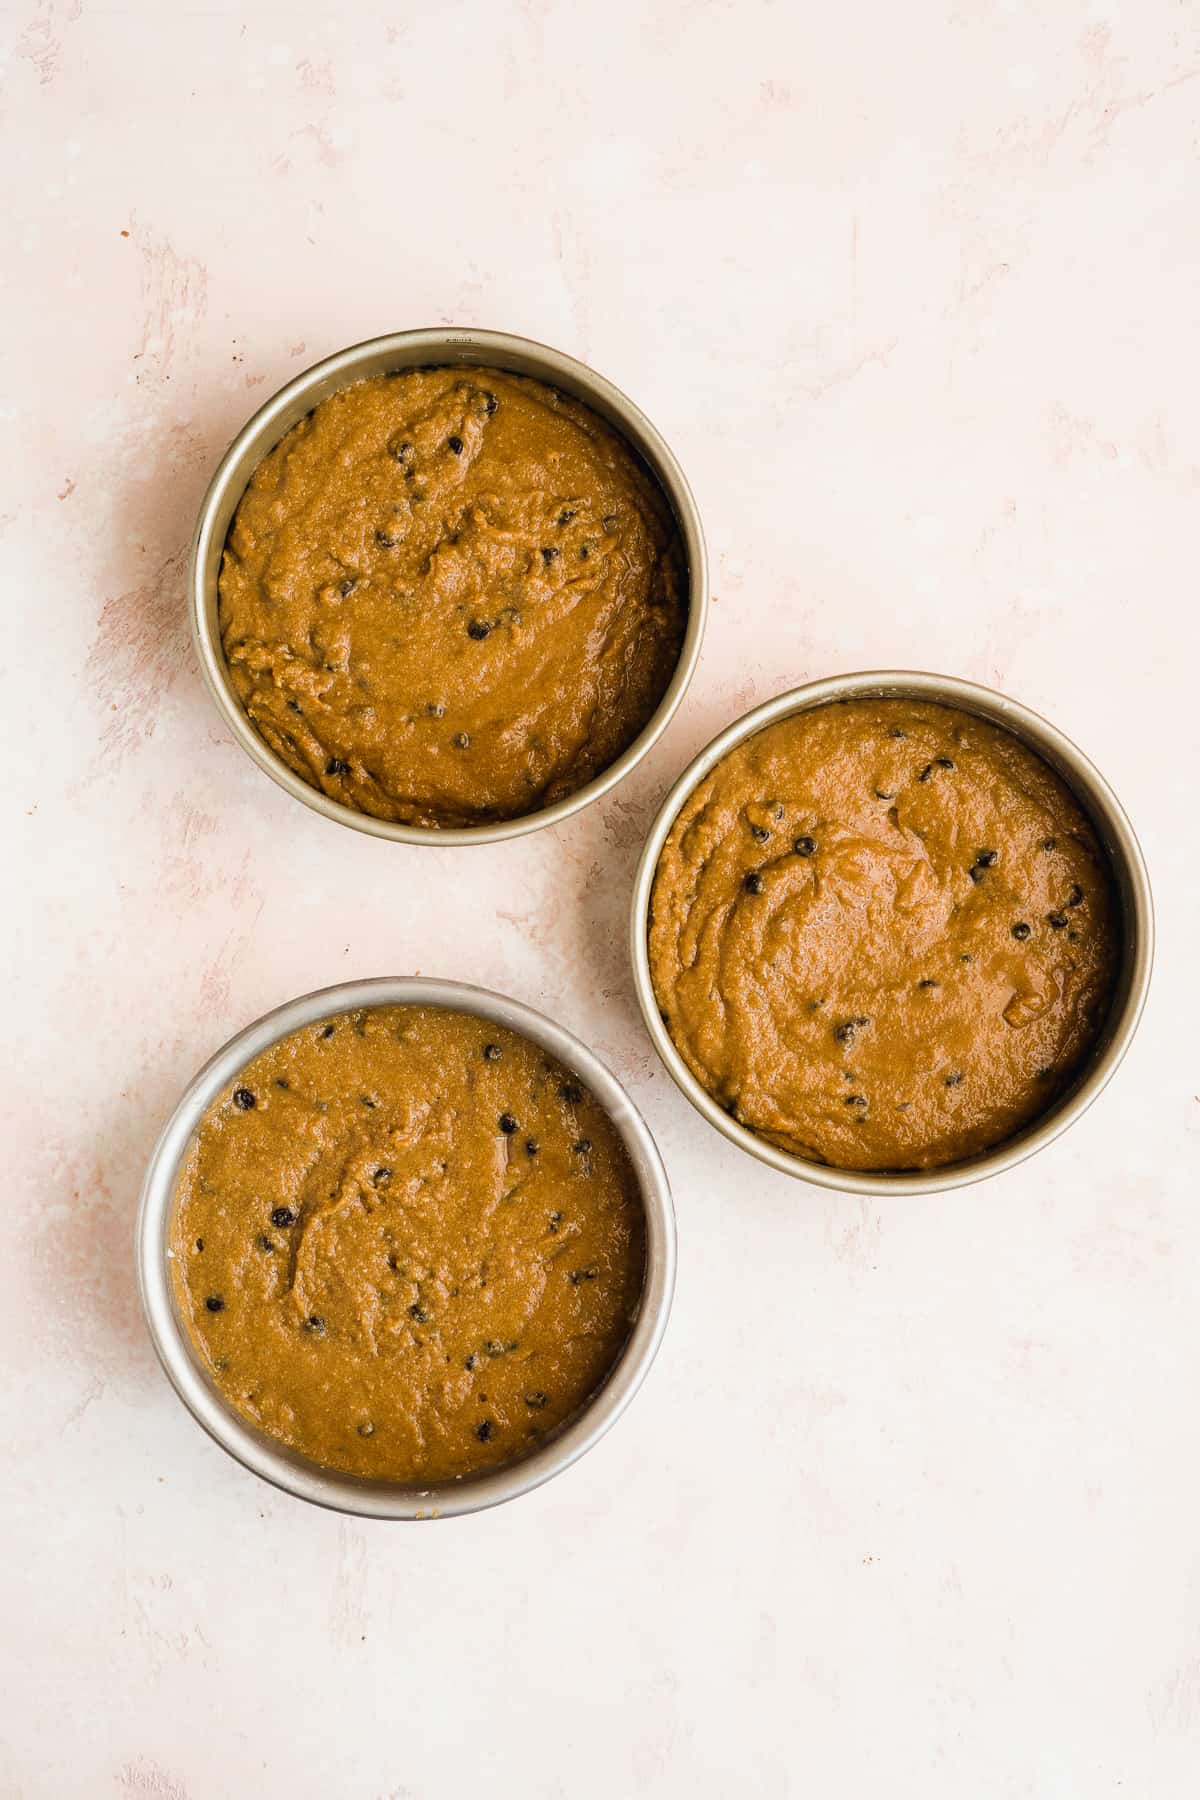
(584, 552)
(537, 1400)
(336, 766)
(805, 846)
(366, 1429)
(479, 629)
(471, 1363)
(386, 540)
(883, 794)
(455, 444)
(215, 1303)
(927, 981)
(1021, 931)
(844, 1033)
(954, 1079)
(753, 883)
(1075, 897)
(403, 453)
(555, 1221)
(760, 834)
(315, 1322)
(199, 1243)
(532, 1146)
(583, 1147)
(1050, 843)
(549, 552)
(417, 1311)
(565, 517)
(943, 762)
(579, 1275)
(347, 588)
(282, 1216)
(244, 1100)
(381, 1177)
(328, 1031)
(854, 1100)
(490, 402)
(492, 1053)
(508, 1124)
(462, 741)
(571, 1092)
(264, 1242)
(1057, 921)
(484, 1431)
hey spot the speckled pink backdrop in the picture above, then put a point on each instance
(908, 1508)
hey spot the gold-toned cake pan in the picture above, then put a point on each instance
(379, 356)
(297, 1474)
(1116, 837)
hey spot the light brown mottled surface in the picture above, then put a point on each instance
(451, 596)
(407, 1244)
(883, 934)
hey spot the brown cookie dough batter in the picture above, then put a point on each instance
(451, 596)
(883, 934)
(407, 1244)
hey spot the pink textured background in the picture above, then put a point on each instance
(908, 1507)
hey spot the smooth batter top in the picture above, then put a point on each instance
(883, 934)
(451, 596)
(407, 1244)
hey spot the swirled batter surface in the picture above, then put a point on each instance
(451, 596)
(883, 934)
(407, 1244)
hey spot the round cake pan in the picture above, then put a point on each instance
(415, 349)
(287, 1469)
(1115, 834)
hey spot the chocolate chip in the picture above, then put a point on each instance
(385, 540)
(328, 1031)
(927, 981)
(215, 1303)
(584, 552)
(926, 772)
(1021, 931)
(492, 1053)
(844, 1033)
(336, 766)
(537, 1400)
(532, 1146)
(264, 1242)
(583, 1147)
(484, 1431)
(1056, 920)
(281, 1081)
(565, 517)
(472, 1362)
(347, 588)
(244, 1100)
(882, 794)
(403, 453)
(898, 731)
(1049, 843)
(417, 1311)
(315, 1322)
(478, 629)
(986, 859)
(367, 1101)
(954, 1079)
(571, 1092)
(508, 1124)
(435, 709)
(199, 1243)
(462, 741)
(555, 1220)
(490, 402)
(366, 1429)
(805, 846)
(282, 1216)
(760, 834)
(943, 762)
(455, 444)
(753, 883)
(580, 1275)
(381, 1177)
(854, 1100)
(549, 552)
(1075, 897)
